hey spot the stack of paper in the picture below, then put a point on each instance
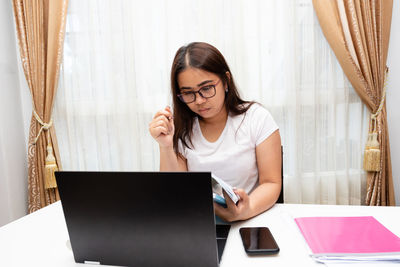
(349, 240)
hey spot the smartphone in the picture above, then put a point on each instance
(258, 241)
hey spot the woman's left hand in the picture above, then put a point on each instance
(234, 212)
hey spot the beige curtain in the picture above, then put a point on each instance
(358, 32)
(40, 29)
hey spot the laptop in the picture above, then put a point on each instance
(141, 218)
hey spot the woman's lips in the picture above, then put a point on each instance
(203, 110)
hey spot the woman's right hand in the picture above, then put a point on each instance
(162, 127)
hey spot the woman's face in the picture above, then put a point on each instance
(192, 80)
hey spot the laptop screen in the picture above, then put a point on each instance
(140, 218)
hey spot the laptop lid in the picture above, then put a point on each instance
(140, 218)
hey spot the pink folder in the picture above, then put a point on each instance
(347, 235)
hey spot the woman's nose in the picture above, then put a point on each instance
(199, 99)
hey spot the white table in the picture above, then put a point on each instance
(41, 238)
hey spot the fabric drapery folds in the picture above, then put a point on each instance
(358, 32)
(40, 26)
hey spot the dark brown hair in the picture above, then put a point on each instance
(205, 57)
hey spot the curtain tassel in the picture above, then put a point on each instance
(372, 154)
(50, 168)
(51, 165)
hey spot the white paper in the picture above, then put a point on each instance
(368, 260)
(227, 188)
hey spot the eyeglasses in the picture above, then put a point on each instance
(207, 91)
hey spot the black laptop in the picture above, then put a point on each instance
(141, 218)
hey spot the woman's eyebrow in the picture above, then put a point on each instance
(200, 84)
(204, 82)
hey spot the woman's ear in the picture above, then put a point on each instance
(228, 76)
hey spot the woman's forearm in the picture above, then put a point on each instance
(170, 161)
(263, 198)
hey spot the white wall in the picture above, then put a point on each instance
(13, 159)
(393, 97)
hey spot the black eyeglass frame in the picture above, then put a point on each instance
(180, 96)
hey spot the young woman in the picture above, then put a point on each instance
(212, 129)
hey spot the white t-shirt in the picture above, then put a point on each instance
(233, 156)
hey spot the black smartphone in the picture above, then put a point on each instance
(258, 241)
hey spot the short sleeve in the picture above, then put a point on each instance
(262, 123)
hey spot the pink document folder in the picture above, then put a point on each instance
(347, 235)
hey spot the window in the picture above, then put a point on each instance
(117, 59)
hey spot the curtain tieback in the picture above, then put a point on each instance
(51, 164)
(372, 153)
(374, 115)
(45, 126)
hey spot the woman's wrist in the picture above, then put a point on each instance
(248, 212)
(167, 148)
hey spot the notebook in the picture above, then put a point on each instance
(352, 238)
(141, 218)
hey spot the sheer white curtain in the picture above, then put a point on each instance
(117, 59)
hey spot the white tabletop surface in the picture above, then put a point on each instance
(41, 238)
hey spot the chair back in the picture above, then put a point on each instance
(281, 199)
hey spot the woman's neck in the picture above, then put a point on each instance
(212, 128)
